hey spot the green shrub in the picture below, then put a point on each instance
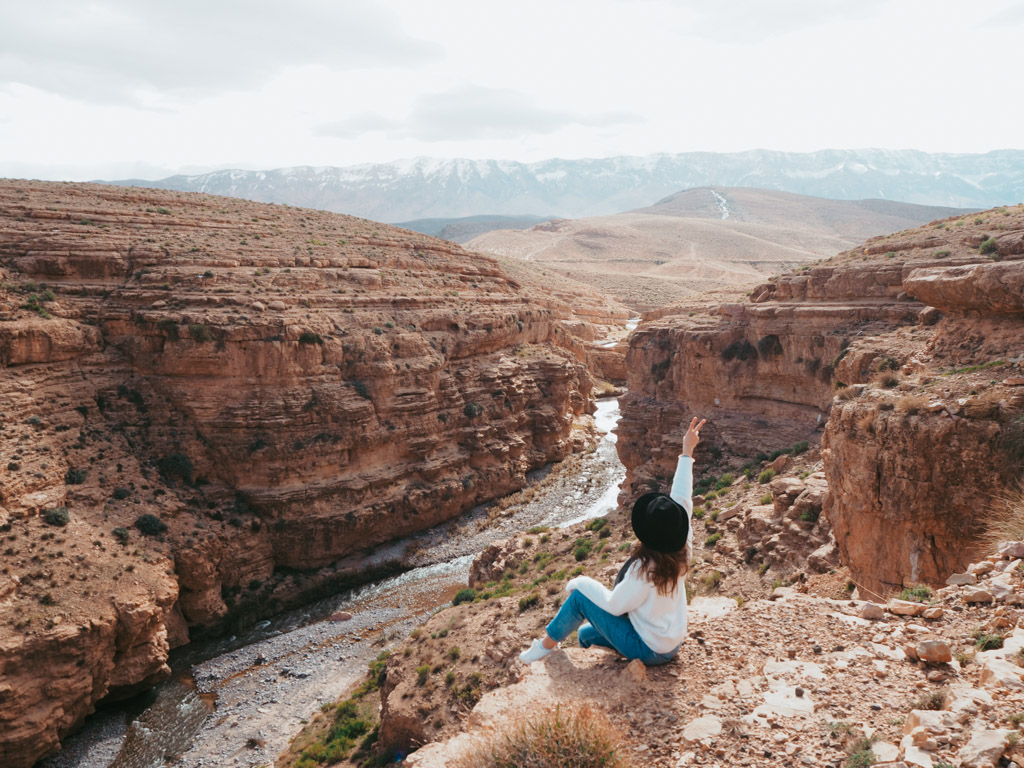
(766, 475)
(810, 515)
(987, 246)
(177, 465)
(862, 757)
(121, 493)
(200, 333)
(986, 642)
(766, 499)
(121, 534)
(454, 653)
(597, 524)
(308, 337)
(467, 595)
(472, 410)
(919, 593)
(800, 447)
(713, 539)
(422, 673)
(57, 516)
(709, 582)
(150, 525)
(529, 601)
(582, 548)
(75, 476)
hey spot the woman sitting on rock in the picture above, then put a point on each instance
(644, 616)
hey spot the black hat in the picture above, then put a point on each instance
(660, 522)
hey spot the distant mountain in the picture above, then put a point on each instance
(434, 188)
(464, 229)
(853, 220)
(702, 239)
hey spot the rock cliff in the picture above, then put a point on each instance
(204, 400)
(905, 351)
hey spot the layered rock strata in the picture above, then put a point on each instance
(918, 334)
(279, 389)
(918, 462)
(762, 372)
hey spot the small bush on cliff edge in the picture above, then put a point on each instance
(150, 525)
(57, 516)
(569, 736)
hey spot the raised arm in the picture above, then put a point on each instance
(682, 482)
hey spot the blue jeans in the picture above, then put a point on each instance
(601, 628)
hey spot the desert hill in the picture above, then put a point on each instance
(464, 229)
(700, 240)
(854, 219)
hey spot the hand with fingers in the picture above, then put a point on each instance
(692, 436)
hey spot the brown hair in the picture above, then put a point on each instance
(663, 569)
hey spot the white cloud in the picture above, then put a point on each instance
(471, 112)
(138, 51)
(1011, 16)
(219, 83)
(753, 21)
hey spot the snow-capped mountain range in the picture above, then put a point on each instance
(428, 187)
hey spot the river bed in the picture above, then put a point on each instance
(238, 701)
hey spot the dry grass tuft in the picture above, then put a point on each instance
(566, 736)
(847, 393)
(865, 423)
(885, 379)
(1005, 520)
(912, 404)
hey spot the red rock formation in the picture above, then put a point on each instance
(280, 387)
(914, 471)
(762, 372)
(915, 451)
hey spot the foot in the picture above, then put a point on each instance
(535, 652)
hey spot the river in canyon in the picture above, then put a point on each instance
(237, 701)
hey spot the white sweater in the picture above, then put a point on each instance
(660, 620)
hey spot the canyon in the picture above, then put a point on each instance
(212, 409)
(216, 409)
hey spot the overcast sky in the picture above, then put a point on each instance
(140, 88)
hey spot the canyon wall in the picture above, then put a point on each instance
(905, 356)
(205, 400)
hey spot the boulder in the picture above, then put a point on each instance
(978, 595)
(985, 748)
(868, 610)
(962, 579)
(703, 730)
(999, 673)
(906, 607)
(934, 651)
